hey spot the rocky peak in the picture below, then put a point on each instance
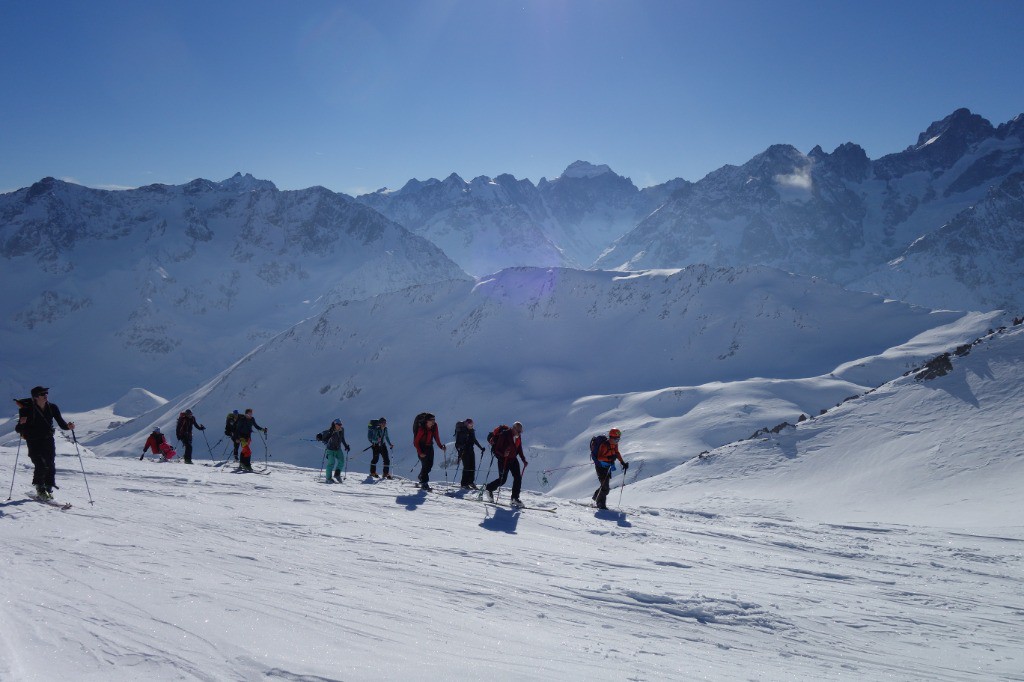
(962, 125)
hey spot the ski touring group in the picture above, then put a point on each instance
(36, 416)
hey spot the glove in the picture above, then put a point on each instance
(347, 448)
(319, 436)
(265, 431)
(625, 467)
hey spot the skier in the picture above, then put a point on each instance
(35, 424)
(229, 430)
(465, 439)
(604, 465)
(158, 444)
(334, 439)
(426, 436)
(507, 444)
(377, 434)
(243, 436)
(183, 432)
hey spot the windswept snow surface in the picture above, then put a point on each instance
(181, 572)
(882, 540)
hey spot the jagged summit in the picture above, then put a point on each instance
(246, 183)
(585, 169)
(962, 124)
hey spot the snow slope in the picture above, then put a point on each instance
(758, 564)
(554, 349)
(945, 451)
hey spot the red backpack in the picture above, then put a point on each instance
(503, 442)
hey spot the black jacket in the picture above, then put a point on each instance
(334, 440)
(244, 426)
(40, 421)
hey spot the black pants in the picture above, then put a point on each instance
(235, 441)
(604, 476)
(188, 448)
(427, 462)
(380, 450)
(468, 457)
(504, 469)
(43, 453)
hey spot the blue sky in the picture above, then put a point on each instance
(359, 95)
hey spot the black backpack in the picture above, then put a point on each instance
(595, 444)
(420, 421)
(181, 430)
(461, 435)
(229, 424)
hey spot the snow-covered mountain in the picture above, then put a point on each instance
(838, 215)
(485, 225)
(974, 260)
(163, 286)
(558, 349)
(488, 224)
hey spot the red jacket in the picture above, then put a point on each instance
(423, 438)
(508, 451)
(154, 442)
(608, 452)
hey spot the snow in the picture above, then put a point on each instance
(881, 540)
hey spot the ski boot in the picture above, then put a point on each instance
(337, 475)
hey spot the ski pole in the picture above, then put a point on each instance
(15, 472)
(208, 448)
(621, 486)
(74, 439)
(455, 476)
(344, 474)
(488, 475)
(266, 449)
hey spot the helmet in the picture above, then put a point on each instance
(469, 422)
(337, 421)
(156, 430)
(518, 426)
(615, 433)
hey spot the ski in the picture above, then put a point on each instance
(262, 472)
(594, 507)
(63, 506)
(512, 506)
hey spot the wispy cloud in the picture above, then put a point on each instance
(799, 179)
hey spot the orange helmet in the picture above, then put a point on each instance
(615, 433)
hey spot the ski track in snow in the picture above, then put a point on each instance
(191, 573)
